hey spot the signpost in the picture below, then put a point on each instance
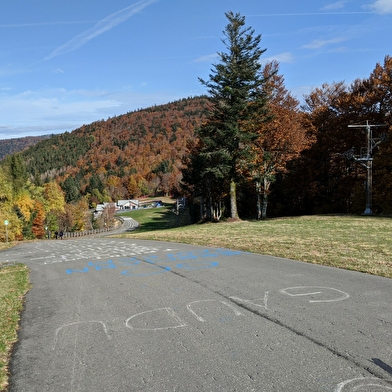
(6, 230)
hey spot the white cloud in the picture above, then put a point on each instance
(381, 6)
(58, 110)
(340, 49)
(44, 111)
(334, 6)
(285, 57)
(319, 43)
(207, 58)
(101, 27)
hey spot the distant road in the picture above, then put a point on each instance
(108, 314)
(129, 224)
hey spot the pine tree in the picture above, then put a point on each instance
(71, 189)
(238, 106)
(17, 170)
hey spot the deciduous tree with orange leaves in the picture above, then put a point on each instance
(324, 180)
(279, 140)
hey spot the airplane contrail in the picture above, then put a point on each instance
(38, 24)
(315, 13)
(100, 27)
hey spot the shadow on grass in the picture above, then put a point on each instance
(160, 218)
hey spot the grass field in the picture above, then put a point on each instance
(359, 243)
(14, 283)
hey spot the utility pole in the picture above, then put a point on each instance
(365, 158)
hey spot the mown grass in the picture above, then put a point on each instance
(359, 243)
(14, 283)
(160, 218)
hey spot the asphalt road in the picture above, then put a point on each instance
(108, 314)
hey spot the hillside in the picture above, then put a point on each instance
(11, 146)
(122, 157)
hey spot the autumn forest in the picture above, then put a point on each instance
(290, 158)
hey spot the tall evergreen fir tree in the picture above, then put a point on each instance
(238, 106)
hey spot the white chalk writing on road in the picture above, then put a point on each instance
(154, 320)
(201, 319)
(363, 384)
(315, 292)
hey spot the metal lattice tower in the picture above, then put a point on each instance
(365, 158)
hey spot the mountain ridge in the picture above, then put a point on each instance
(13, 145)
(125, 156)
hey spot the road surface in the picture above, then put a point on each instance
(111, 314)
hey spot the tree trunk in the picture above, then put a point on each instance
(233, 199)
(217, 211)
(258, 202)
(265, 198)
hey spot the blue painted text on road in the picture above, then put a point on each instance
(153, 265)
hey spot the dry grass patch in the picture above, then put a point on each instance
(352, 242)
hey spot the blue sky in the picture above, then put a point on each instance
(68, 63)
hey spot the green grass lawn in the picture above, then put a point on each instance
(160, 218)
(359, 243)
(14, 283)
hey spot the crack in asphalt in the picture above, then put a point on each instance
(280, 323)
